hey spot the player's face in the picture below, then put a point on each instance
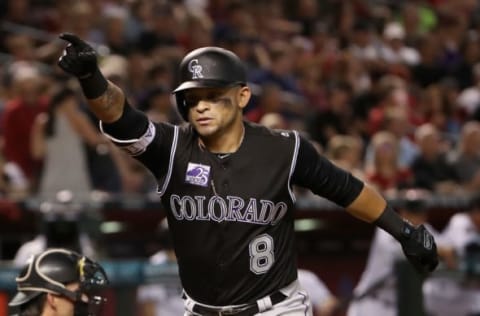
(216, 110)
(62, 306)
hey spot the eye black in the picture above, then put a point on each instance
(190, 102)
(212, 96)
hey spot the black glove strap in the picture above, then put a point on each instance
(393, 224)
(94, 85)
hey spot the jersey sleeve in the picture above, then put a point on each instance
(132, 132)
(313, 171)
(150, 143)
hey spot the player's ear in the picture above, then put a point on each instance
(51, 300)
(243, 96)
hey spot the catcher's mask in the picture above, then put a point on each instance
(52, 270)
(208, 67)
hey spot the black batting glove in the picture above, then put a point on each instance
(419, 248)
(79, 59)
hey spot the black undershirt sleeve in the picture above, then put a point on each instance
(322, 177)
(132, 124)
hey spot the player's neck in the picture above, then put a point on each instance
(225, 143)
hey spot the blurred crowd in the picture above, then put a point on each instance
(389, 90)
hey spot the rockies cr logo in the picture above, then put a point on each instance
(195, 68)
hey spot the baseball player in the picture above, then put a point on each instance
(375, 293)
(59, 282)
(458, 296)
(226, 185)
(162, 299)
(324, 303)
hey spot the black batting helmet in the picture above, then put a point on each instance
(50, 272)
(208, 67)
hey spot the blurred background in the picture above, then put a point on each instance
(387, 89)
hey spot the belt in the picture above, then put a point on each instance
(248, 310)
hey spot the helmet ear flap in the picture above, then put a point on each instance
(181, 106)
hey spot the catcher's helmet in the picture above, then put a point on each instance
(208, 67)
(51, 270)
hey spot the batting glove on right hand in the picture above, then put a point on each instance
(79, 59)
(419, 248)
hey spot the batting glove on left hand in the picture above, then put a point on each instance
(419, 247)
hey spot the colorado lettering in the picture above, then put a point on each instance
(230, 208)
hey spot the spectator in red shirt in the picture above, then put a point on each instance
(20, 111)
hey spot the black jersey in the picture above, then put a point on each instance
(231, 218)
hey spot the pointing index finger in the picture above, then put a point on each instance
(71, 38)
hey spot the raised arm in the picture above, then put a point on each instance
(104, 98)
(127, 127)
(108, 107)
